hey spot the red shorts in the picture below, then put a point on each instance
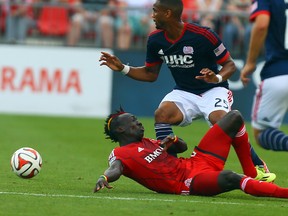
(206, 169)
(202, 174)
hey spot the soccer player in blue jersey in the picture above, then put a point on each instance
(271, 98)
(193, 54)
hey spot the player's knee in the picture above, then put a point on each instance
(215, 116)
(236, 117)
(168, 113)
(229, 180)
(231, 122)
(160, 115)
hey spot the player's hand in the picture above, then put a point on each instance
(101, 183)
(111, 61)
(247, 70)
(208, 76)
(168, 141)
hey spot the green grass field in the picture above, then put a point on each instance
(75, 152)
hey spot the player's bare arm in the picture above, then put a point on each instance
(258, 36)
(227, 70)
(143, 73)
(112, 174)
(174, 144)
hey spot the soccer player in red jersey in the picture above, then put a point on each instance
(193, 54)
(147, 162)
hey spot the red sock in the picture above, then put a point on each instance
(242, 149)
(263, 189)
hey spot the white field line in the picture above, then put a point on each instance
(128, 198)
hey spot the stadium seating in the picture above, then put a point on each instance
(2, 19)
(53, 21)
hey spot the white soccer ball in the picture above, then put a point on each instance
(26, 162)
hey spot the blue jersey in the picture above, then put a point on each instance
(197, 48)
(276, 43)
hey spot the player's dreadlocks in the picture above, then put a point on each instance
(109, 127)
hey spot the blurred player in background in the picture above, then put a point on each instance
(147, 162)
(193, 54)
(271, 97)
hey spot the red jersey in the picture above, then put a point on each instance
(147, 164)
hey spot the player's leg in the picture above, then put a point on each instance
(242, 148)
(166, 114)
(206, 184)
(229, 180)
(231, 129)
(217, 141)
(269, 108)
(175, 109)
(217, 182)
(215, 104)
(273, 139)
(262, 189)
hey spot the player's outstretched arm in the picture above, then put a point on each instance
(143, 73)
(111, 61)
(112, 174)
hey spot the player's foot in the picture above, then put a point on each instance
(263, 176)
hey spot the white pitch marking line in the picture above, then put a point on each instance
(125, 198)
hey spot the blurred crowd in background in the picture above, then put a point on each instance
(117, 24)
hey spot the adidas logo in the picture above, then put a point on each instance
(160, 52)
(140, 149)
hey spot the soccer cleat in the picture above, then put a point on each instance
(263, 176)
(264, 167)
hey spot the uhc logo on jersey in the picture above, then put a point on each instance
(181, 61)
